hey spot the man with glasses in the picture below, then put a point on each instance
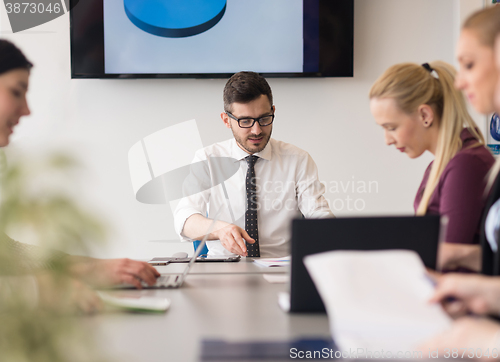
(273, 182)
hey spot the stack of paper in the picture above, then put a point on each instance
(268, 262)
(376, 300)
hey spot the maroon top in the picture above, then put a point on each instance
(459, 193)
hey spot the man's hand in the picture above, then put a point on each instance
(471, 293)
(108, 272)
(233, 238)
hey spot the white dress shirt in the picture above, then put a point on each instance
(287, 186)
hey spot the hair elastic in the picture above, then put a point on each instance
(430, 70)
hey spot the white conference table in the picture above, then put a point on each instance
(235, 306)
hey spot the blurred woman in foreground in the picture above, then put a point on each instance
(478, 53)
(23, 258)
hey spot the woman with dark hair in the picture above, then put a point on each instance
(14, 82)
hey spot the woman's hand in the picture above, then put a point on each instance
(463, 293)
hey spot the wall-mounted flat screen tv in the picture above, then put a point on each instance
(211, 38)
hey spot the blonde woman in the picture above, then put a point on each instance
(420, 110)
(478, 54)
(477, 78)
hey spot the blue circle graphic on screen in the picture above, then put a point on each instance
(495, 127)
(175, 18)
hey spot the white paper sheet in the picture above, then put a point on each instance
(273, 262)
(376, 300)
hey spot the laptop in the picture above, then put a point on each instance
(166, 281)
(418, 233)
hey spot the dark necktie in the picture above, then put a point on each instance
(251, 213)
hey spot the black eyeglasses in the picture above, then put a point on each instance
(249, 122)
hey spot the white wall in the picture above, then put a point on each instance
(100, 119)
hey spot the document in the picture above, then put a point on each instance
(377, 301)
(269, 262)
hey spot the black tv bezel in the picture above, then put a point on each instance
(336, 53)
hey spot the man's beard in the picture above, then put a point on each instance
(254, 149)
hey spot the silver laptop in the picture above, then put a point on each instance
(176, 280)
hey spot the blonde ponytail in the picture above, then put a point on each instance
(412, 85)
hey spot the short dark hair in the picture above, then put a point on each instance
(11, 57)
(244, 87)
